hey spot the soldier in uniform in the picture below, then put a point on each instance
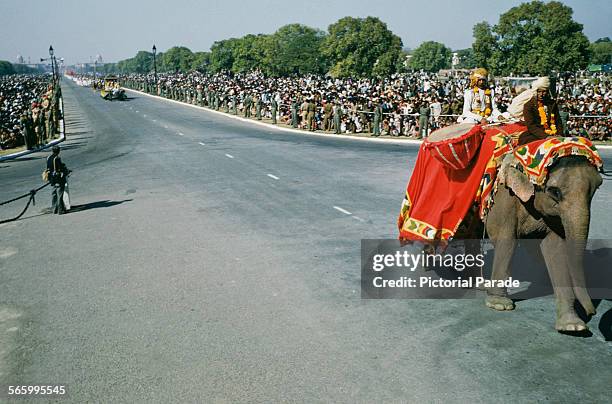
(328, 110)
(248, 103)
(274, 108)
(258, 103)
(234, 106)
(377, 118)
(294, 113)
(310, 117)
(337, 117)
(423, 120)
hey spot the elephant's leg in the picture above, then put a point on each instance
(554, 250)
(497, 298)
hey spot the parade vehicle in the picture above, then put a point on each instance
(111, 89)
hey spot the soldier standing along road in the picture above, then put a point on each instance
(274, 108)
(377, 117)
(337, 118)
(27, 128)
(423, 120)
(258, 103)
(327, 115)
(248, 104)
(294, 113)
(234, 106)
(311, 109)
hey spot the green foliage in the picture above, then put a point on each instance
(177, 59)
(601, 51)
(431, 56)
(201, 61)
(248, 53)
(293, 49)
(355, 45)
(222, 54)
(484, 46)
(466, 59)
(6, 68)
(141, 63)
(532, 38)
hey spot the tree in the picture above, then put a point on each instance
(177, 59)
(6, 68)
(294, 49)
(601, 51)
(141, 63)
(532, 38)
(431, 56)
(222, 54)
(248, 53)
(201, 61)
(466, 59)
(354, 45)
(484, 46)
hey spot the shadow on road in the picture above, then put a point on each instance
(95, 205)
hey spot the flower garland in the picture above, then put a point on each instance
(487, 111)
(549, 129)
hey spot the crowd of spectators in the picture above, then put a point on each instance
(402, 98)
(28, 110)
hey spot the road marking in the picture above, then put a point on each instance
(145, 115)
(154, 120)
(358, 218)
(181, 134)
(229, 156)
(346, 212)
(202, 143)
(273, 177)
(166, 126)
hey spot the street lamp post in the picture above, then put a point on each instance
(52, 62)
(155, 66)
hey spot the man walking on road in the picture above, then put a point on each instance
(58, 172)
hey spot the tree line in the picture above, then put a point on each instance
(532, 38)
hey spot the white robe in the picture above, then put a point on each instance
(470, 102)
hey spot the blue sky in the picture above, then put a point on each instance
(116, 29)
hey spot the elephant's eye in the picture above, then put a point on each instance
(554, 193)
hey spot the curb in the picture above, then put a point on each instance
(404, 142)
(50, 144)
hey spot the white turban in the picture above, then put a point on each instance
(541, 83)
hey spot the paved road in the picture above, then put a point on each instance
(213, 260)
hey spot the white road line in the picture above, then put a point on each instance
(166, 126)
(145, 115)
(154, 120)
(229, 156)
(181, 134)
(358, 218)
(202, 143)
(273, 177)
(342, 210)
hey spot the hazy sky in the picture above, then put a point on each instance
(116, 29)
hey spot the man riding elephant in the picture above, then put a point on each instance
(479, 100)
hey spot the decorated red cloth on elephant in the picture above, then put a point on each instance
(440, 193)
(444, 186)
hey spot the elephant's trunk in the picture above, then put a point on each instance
(576, 228)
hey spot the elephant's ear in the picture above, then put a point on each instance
(514, 179)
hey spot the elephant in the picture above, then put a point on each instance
(556, 212)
